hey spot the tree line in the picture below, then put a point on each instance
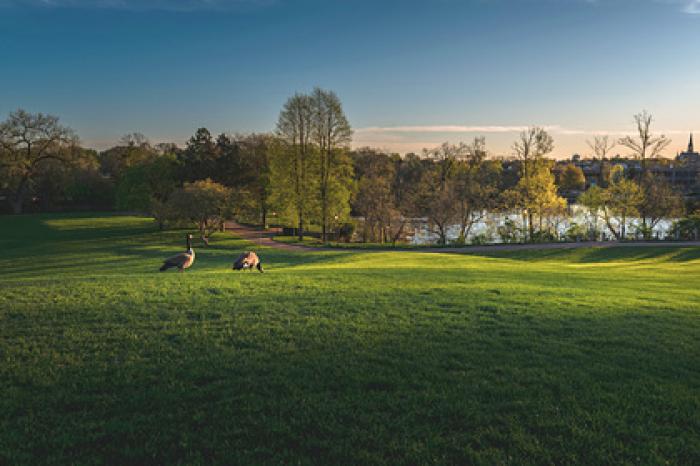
(304, 175)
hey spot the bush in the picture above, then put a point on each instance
(643, 232)
(686, 229)
(576, 233)
(204, 203)
(481, 239)
(510, 232)
(544, 236)
(346, 231)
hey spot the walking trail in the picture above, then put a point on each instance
(264, 238)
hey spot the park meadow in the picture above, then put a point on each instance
(340, 356)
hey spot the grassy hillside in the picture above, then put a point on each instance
(554, 357)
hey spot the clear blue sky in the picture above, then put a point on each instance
(410, 73)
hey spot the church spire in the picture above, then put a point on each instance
(691, 149)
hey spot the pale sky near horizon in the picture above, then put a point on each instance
(411, 74)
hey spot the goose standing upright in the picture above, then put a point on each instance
(183, 260)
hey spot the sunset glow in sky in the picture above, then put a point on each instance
(411, 74)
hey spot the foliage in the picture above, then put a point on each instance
(134, 150)
(687, 229)
(332, 134)
(660, 202)
(204, 203)
(576, 232)
(481, 239)
(617, 203)
(154, 179)
(592, 200)
(199, 159)
(27, 142)
(295, 169)
(345, 232)
(477, 186)
(305, 175)
(510, 232)
(536, 194)
(572, 179)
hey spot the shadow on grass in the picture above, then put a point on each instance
(494, 387)
(42, 245)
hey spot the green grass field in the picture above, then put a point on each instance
(585, 356)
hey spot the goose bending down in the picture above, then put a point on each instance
(248, 260)
(183, 260)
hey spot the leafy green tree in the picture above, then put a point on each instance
(295, 169)
(688, 228)
(445, 159)
(535, 192)
(27, 141)
(409, 183)
(199, 159)
(645, 146)
(154, 179)
(537, 195)
(533, 189)
(617, 203)
(436, 203)
(133, 149)
(441, 209)
(332, 134)
(592, 200)
(257, 152)
(75, 185)
(572, 179)
(204, 203)
(476, 186)
(661, 201)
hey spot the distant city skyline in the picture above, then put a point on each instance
(410, 74)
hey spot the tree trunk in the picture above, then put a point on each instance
(324, 214)
(300, 231)
(16, 205)
(17, 202)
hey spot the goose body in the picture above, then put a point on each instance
(248, 260)
(181, 261)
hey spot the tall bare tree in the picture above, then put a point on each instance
(645, 145)
(332, 133)
(601, 145)
(26, 141)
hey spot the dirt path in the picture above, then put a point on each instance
(264, 238)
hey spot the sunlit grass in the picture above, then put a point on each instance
(526, 357)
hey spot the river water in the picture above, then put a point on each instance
(487, 229)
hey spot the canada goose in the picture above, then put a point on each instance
(248, 260)
(183, 260)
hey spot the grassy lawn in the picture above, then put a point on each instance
(555, 357)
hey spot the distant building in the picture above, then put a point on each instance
(689, 156)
